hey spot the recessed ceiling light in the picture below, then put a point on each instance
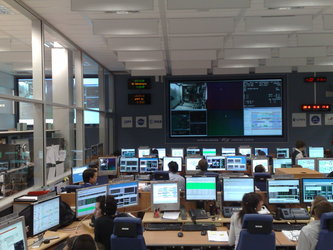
(122, 12)
(5, 11)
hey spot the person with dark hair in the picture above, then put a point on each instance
(174, 176)
(89, 177)
(83, 241)
(251, 204)
(106, 208)
(299, 151)
(309, 234)
(203, 166)
(94, 164)
(259, 169)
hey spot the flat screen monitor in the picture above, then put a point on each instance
(193, 151)
(129, 165)
(148, 165)
(216, 163)
(143, 152)
(200, 188)
(128, 152)
(245, 151)
(177, 152)
(309, 163)
(86, 199)
(165, 195)
(259, 161)
(46, 215)
(209, 151)
(283, 191)
(260, 151)
(282, 163)
(161, 152)
(13, 235)
(191, 164)
(126, 193)
(228, 151)
(325, 166)
(226, 107)
(77, 173)
(317, 186)
(282, 153)
(166, 161)
(107, 166)
(236, 163)
(235, 188)
(316, 152)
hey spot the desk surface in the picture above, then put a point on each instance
(62, 236)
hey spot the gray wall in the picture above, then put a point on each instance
(298, 92)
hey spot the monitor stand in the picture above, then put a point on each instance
(40, 240)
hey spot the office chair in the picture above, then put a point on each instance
(325, 239)
(260, 180)
(160, 175)
(256, 233)
(127, 234)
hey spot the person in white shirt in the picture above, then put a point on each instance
(174, 176)
(299, 151)
(251, 204)
(308, 236)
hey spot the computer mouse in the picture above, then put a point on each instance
(46, 241)
(180, 234)
(203, 232)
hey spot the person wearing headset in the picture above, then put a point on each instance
(106, 208)
(251, 204)
(83, 241)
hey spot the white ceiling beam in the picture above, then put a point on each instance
(314, 68)
(135, 43)
(237, 63)
(191, 64)
(259, 41)
(179, 55)
(140, 56)
(328, 22)
(185, 43)
(266, 69)
(321, 61)
(297, 3)
(246, 53)
(315, 39)
(302, 52)
(159, 72)
(145, 65)
(111, 5)
(207, 4)
(178, 72)
(230, 71)
(274, 62)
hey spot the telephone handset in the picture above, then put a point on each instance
(294, 214)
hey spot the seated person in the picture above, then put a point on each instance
(251, 204)
(89, 177)
(106, 208)
(83, 241)
(259, 169)
(309, 234)
(100, 179)
(203, 166)
(174, 176)
(299, 151)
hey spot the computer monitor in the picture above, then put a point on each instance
(193, 151)
(235, 188)
(46, 215)
(247, 151)
(191, 164)
(283, 191)
(317, 187)
(236, 163)
(165, 195)
(86, 199)
(161, 152)
(260, 161)
(177, 152)
(264, 151)
(325, 166)
(200, 188)
(209, 151)
(282, 153)
(148, 165)
(309, 163)
(282, 163)
(107, 165)
(77, 173)
(166, 161)
(13, 235)
(128, 152)
(143, 152)
(228, 151)
(215, 163)
(126, 193)
(128, 165)
(316, 152)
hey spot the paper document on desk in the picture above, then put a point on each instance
(171, 215)
(292, 235)
(218, 236)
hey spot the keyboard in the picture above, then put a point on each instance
(198, 227)
(287, 227)
(198, 214)
(163, 227)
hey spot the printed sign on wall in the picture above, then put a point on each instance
(127, 122)
(141, 121)
(298, 120)
(155, 121)
(315, 119)
(328, 119)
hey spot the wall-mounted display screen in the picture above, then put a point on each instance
(228, 108)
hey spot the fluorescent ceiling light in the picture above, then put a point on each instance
(114, 5)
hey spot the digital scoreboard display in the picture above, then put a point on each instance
(139, 99)
(139, 83)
